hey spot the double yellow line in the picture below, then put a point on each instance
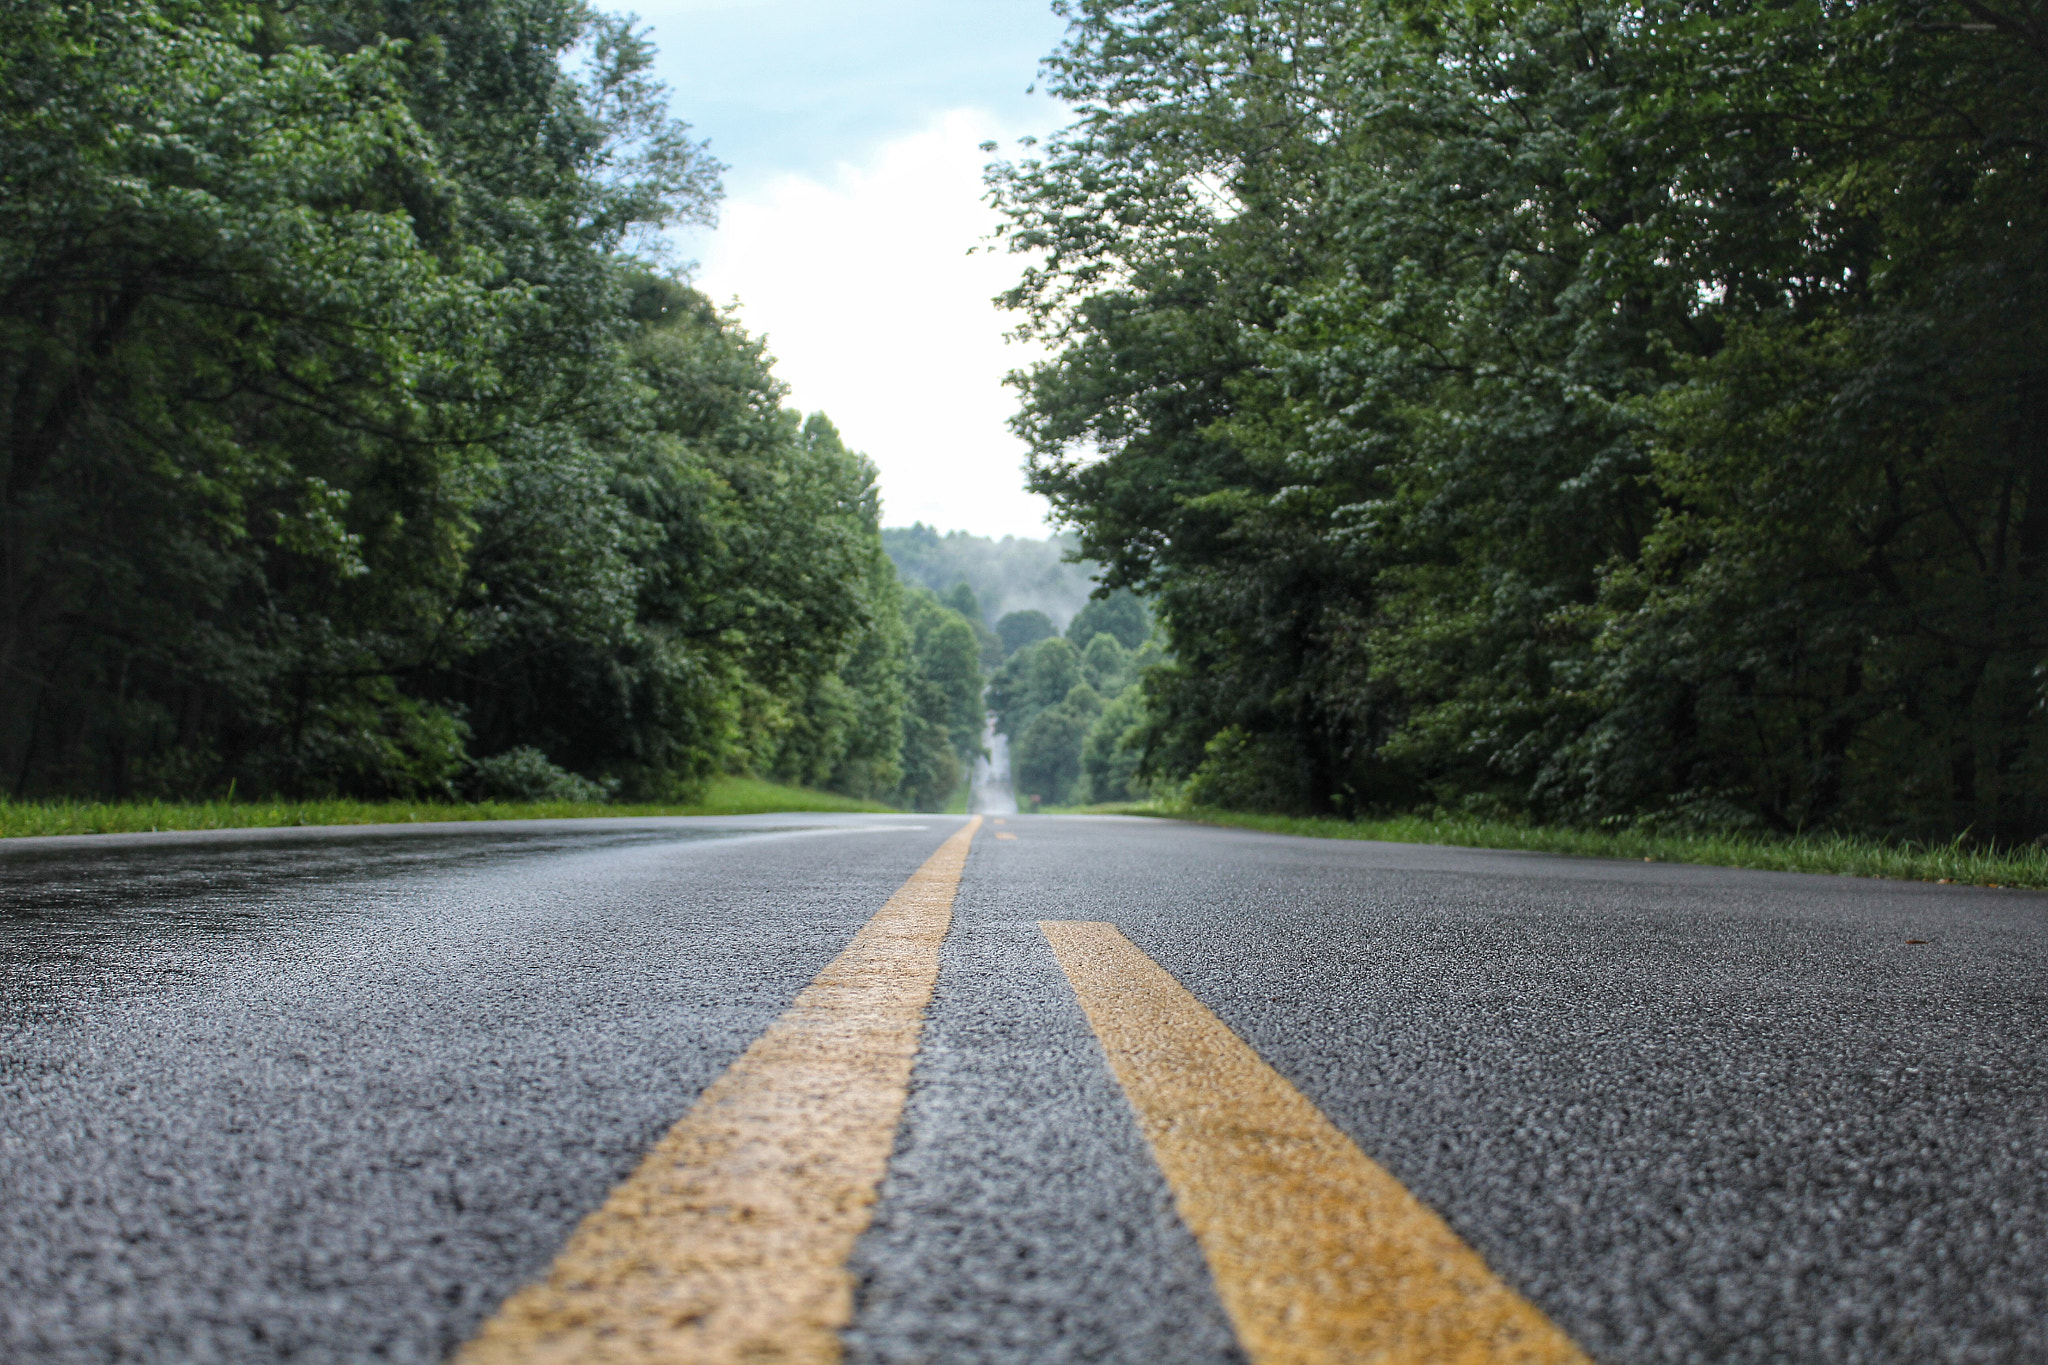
(729, 1243)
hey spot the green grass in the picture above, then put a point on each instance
(725, 796)
(1842, 855)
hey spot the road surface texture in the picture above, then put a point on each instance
(335, 1097)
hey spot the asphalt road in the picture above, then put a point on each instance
(333, 1098)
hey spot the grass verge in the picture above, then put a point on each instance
(725, 796)
(1841, 855)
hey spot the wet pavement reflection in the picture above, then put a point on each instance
(86, 920)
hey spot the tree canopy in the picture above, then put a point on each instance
(355, 441)
(1581, 413)
(1015, 573)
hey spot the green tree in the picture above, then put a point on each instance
(1014, 573)
(1588, 413)
(944, 720)
(1022, 629)
(232, 510)
(1104, 663)
(1045, 760)
(960, 597)
(1042, 700)
(1113, 750)
(349, 434)
(1034, 678)
(1119, 614)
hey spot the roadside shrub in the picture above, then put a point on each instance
(526, 774)
(1249, 772)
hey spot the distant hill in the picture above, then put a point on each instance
(1011, 574)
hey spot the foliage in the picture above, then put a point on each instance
(722, 796)
(1111, 750)
(524, 774)
(353, 446)
(944, 720)
(1012, 574)
(961, 598)
(1045, 760)
(1022, 629)
(1582, 414)
(1119, 614)
(1074, 717)
(1837, 854)
(1034, 678)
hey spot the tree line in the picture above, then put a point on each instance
(1071, 703)
(1591, 413)
(1013, 574)
(355, 443)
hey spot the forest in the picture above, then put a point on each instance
(1015, 573)
(358, 442)
(1600, 416)
(1597, 415)
(1072, 703)
(1065, 662)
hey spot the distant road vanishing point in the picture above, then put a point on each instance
(989, 789)
(812, 1088)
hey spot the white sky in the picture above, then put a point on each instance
(853, 201)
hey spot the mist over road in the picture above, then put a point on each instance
(989, 789)
(336, 1096)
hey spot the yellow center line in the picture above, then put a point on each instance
(729, 1242)
(1006, 836)
(1319, 1255)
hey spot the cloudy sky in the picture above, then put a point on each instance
(852, 130)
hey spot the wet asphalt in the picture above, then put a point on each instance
(331, 1097)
